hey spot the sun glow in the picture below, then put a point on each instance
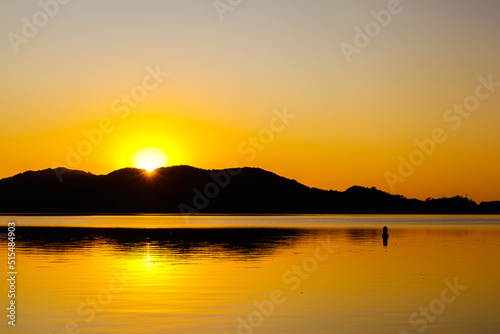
(149, 159)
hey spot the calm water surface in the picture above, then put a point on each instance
(259, 274)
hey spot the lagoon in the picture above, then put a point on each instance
(255, 274)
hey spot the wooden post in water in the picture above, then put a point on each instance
(385, 235)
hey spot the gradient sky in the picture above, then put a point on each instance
(352, 120)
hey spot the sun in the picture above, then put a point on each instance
(150, 158)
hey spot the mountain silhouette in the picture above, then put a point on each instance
(189, 190)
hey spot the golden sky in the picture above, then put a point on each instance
(71, 68)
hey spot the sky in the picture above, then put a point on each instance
(400, 95)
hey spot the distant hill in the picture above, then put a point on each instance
(185, 189)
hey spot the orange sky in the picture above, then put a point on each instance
(354, 115)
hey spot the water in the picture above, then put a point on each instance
(258, 274)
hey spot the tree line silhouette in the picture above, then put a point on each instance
(170, 189)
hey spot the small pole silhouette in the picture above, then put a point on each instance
(385, 235)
